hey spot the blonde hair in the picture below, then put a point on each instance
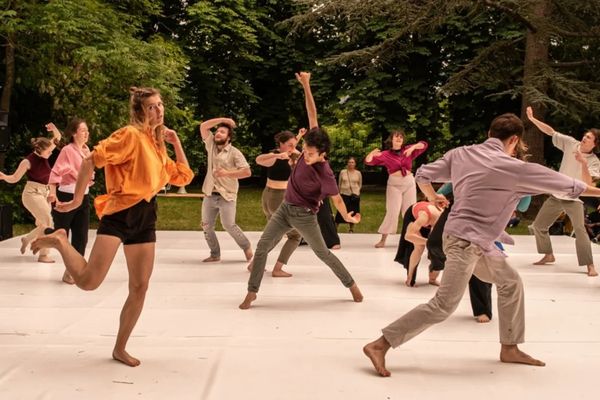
(40, 144)
(137, 112)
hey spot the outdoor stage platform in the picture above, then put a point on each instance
(302, 339)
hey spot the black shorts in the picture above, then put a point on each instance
(134, 225)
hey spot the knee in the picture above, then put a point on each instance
(207, 227)
(512, 284)
(138, 288)
(88, 285)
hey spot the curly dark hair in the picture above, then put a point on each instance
(317, 137)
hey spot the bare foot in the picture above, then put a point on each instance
(54, 240)
(434, 282)
(24, 244)
(592, 270)
(547, 259)
(248, 253)
(250, 266)
(482, 319)
(45, 259)
(67, 278)
(512, 354)
(336, 247)
(356, 294)
(380, 244)
(125, 358)
(279, 273)
(250, 297)
(212, 259)
(376, 352)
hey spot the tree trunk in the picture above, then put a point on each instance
(536, 57)
(7, 88)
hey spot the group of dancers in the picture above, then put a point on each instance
(487, 183)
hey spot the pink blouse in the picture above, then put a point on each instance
(67, 165)
(395, 160)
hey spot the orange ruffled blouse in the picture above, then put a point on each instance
(135, 169)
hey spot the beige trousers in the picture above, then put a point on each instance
(35, 200)
(400, 193)
(463, 260)
(550, 211)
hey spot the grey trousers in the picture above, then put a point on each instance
(285, 219)
(212, 206)
(550, 211)
(463, 260)
(271, 200)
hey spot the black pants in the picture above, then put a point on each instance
(328, 229)
(481, 297)
(75, 222)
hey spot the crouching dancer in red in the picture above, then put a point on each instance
(136, 167)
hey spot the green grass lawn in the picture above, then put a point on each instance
(184, 213)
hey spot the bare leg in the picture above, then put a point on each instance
(592, 270)
(87, 275)
(510, 353)
(140, 262)
(376, 352)
(356, 294)
(250, 297)
(413, 262)
(381, 242)
(278, 271)
(547, 259)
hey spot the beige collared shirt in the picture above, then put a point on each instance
(228, 158)
(569, 164)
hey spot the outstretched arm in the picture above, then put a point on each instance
(547, 129)
(18, 174)
(206, 126)
(311, 107)
(341, 207)
(56, 135)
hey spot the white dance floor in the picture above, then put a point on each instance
(302, 339)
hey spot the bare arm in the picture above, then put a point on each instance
(56, 135)
(547, 129)
(311, 107)
(18, 174)
(439, 199)
(585, 172)
(413, 231)
(239, 173)
(268, 159)
(372, 154)
(172, 138)
(341, 207)
(206, 126)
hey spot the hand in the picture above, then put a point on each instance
(440, 201)
(2, 176)
(409, 150)
(283, 156)
(579, 157)
(51, 198)
(67, 206)
(229, 122)
(170, 136)
(220, 172)
(375, 152)
(50, 127)
(352, 218)
(303, 78)
(301, 133)
(529, 112)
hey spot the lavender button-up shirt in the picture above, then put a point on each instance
(488, 184)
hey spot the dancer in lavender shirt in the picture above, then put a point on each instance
(488, 184)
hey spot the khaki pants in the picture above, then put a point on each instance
(463, 260)
(35, 200)
(550, 211)
(400, 193)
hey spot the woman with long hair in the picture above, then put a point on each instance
(62, 186)
(401, 190)
(36, 195)
(136, 167)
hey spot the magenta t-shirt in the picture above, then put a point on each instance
(309, 184)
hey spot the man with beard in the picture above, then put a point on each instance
(225, 166)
